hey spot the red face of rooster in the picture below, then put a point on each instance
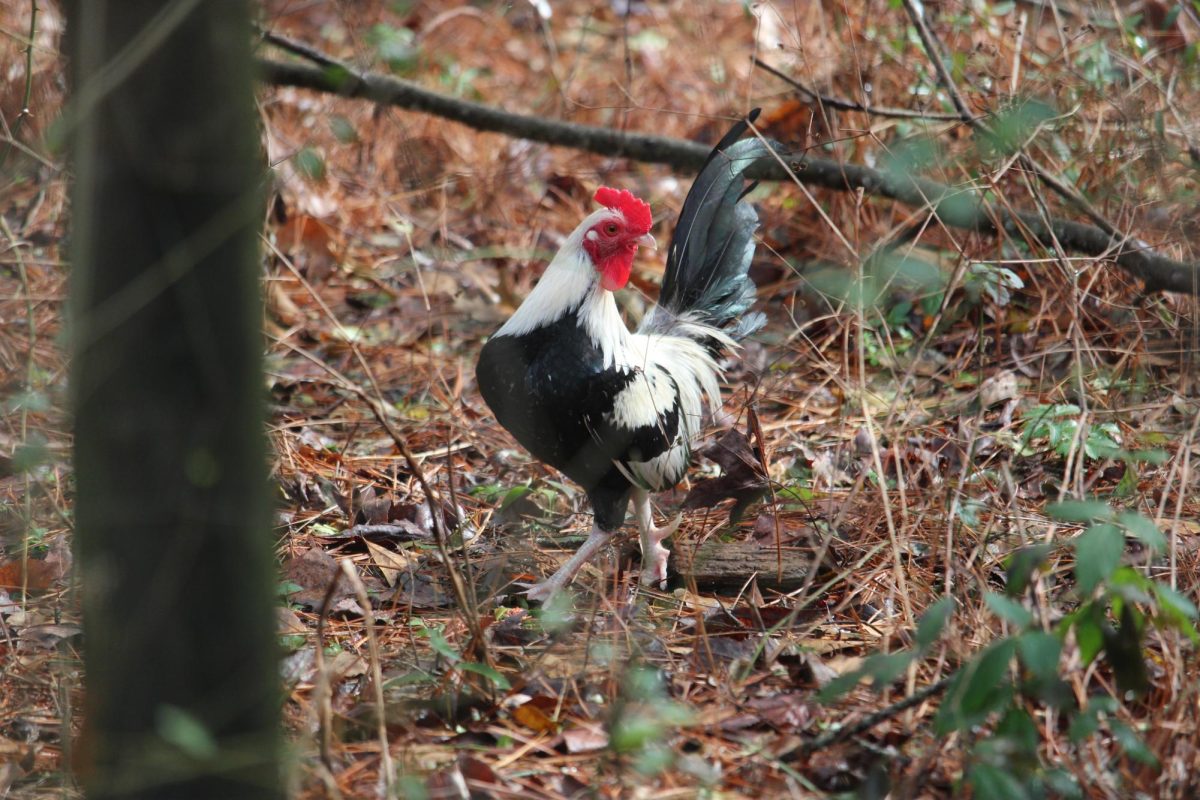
(613, 241)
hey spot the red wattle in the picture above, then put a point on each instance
(615, 272)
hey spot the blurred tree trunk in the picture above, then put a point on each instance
(182, 695)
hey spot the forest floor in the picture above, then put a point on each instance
(923, 401)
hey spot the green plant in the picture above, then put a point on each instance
(993, 699)
(1016, 675)
(397, 47)
(641, 718)
(994, 281)
(441, 646)
(1058, 425)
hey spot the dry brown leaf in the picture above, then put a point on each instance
(32, 574)
(390, 563)
(312, 571)
(532, 717)
(48, 636)
(476, 771)
(346, 665)
(288, 622)
(585, 739)
(742, 478)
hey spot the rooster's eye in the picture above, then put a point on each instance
(611, 228)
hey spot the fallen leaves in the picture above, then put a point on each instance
(743, 479)
(533, 714)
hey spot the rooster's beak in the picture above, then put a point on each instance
(646, 240)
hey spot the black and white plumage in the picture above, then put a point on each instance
(618, 411)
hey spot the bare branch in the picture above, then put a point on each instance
(960, 208)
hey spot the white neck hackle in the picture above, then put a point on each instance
(571, 284)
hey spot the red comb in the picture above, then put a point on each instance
(635, 210)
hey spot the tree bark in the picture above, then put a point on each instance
(172, 526)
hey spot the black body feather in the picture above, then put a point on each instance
(550, 390)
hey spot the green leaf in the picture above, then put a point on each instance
(310, 164)
(930, 626)
(337, 75)
(1019, 731)
(1127, 486)
(437, 641)
(839, 686)
(1008, 609)
(1144, 529)
(396, 46)
(993, 783)
(1021, 566)
(1011, 127)
(979, 688)
(1098, 553)
(1082, 727)
(292, 643)
(411, 787)
(634, 731)
(1176, 608)
(1123, 650)
(1132, 743)
(497, 679)
(883, 668)
(343, 129)
(557, 615)
(655, 757)
(513, 495)
(1155, 457)
(31, 453)
(1087, 721)
(1089, 633)
(411, 678)
(30, 400)
(285, 588)
(1063, 784)
(1080, 510)
(1039, 653)
(1130, 585)
(986, 673)
(184, 730)
(909, 156)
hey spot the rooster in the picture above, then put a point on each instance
(617, 411)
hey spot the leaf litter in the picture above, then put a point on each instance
(415, 237)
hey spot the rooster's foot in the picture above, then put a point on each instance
(543, 591)
(654, 555)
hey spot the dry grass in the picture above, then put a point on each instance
(388, 269)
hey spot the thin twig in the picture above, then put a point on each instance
(297, 48)
(956, 207)
(386, 769)
(866, 723)
(323, 690)
(851, 105)
(30, 374)
(25, 112)
(934, 52)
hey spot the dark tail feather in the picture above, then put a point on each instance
(710, 253)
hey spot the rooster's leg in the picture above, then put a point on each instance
(596, 542)
(654, 555)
